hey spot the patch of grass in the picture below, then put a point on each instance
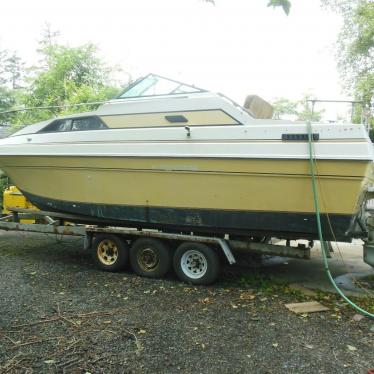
(267, 285)
(366, 282)
(260, 282)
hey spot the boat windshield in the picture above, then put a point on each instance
(154, 85)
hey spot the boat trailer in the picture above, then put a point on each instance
(60, 224)
(55, 223)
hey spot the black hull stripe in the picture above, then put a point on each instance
(249, 223)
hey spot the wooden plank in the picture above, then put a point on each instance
(306, 307)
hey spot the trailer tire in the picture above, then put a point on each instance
(110, 252)
(196, 263)
(150, 257)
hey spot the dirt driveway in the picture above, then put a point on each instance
(59, 314)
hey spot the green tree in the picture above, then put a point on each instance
(11, 73)
(65, 76)
(300, 110)
(14, 68)
(285, 4)
(7, 101)
(356, 49)
(306, 112)
(284, 107)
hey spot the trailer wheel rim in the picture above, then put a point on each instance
(194, 264)
(148, 259)
(107, 252)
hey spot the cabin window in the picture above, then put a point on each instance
(60, 125)
(154, 85)
(88, 123)
(75, 124)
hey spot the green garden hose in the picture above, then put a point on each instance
(320, 235)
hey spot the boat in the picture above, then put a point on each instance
(172, 156)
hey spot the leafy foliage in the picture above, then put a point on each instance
(299, 110)
(69, 76)
(65, 76)
(11, 67)
(284, 107)
(285, 4)
(10, 75)
(356, 47)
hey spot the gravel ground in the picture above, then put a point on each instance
(58, 314)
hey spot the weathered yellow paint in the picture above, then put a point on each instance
(201, 117)
(256, 185)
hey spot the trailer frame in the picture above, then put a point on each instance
(195, 258)
(54, 224)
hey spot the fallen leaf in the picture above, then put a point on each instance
(351, 348)
(357, 317)
(107, 322)
(49, 362)
(141, 331)
(309, 346)
(205, 301)
(33, 273)
(202, 345)
(247, 296)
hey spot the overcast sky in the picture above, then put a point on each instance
(237, 47)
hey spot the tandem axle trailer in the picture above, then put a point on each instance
(196, 259)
